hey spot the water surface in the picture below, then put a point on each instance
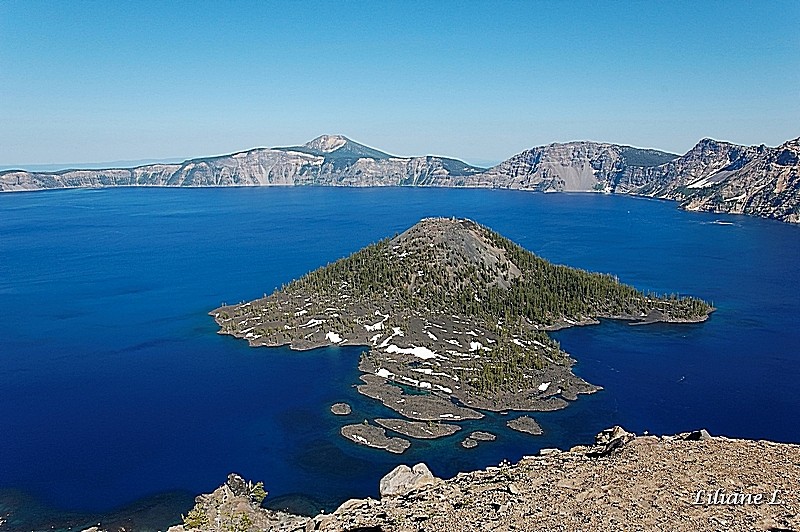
(115, 385)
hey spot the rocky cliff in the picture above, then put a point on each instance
(723, 177)
(690, 481)
(713, 176)
(331, 160)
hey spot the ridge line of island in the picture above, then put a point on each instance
(455, 320)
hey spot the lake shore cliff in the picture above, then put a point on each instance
(690, 481)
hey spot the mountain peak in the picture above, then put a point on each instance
(327, 143)
(339, 147)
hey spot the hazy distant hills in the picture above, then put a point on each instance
(713, 176)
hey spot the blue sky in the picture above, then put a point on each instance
(109, 81)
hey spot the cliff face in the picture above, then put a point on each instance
(570, 167)
(690, 481)
(330, 160)
(713, 176)
(722, 177)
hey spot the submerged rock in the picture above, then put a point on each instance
(469, 443)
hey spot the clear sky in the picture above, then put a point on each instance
(88, 81)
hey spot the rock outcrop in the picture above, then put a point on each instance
(341, 409)
(403, 479)
(713, 176)
(236, 506)
(638, 483)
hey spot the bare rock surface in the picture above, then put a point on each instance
(403, 479)
(418, 429)
(341, 409)
(469, 443)
(525, 424)
(644, 483)
(417, 407)
(375, 437)
(480, 435)
(236, 506)
(678, 483)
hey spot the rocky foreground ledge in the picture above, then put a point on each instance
(690, 481)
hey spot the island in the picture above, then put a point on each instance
(454, 319)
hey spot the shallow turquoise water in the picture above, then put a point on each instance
(115, 385)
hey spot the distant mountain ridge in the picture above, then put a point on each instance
(713, 176)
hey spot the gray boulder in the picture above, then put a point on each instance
(609, 441)
(403, 479)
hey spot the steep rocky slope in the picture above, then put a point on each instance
(571, 167)
(713, 176)
(722, 177)
(326, 160)
(686, 482)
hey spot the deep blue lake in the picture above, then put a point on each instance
(115, 385)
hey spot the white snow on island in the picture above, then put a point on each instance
(333, 337)
(418, 351)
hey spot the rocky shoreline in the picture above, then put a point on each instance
(690, 481)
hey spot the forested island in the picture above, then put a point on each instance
(455, 317)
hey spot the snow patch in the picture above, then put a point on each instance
(333, 337)
(374, 327)
(544, 386)
(418, 351)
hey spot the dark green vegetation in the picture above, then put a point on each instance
(523, 289)
(349, 150)
(644, 157)
(443, 269)
(476, 304)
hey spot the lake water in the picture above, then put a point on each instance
(115, 386)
